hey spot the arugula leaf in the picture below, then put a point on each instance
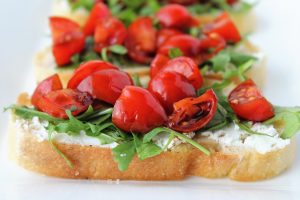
(136, 80)
(86, 4)
(118, 49)
(123, 154)
(145, 150)
(220, 61)
(175, 52)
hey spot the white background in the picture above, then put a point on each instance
(22, 25)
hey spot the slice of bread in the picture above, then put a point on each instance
(239, 163)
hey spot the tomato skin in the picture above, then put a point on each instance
(105, 85)
(210, 45)
(248, 103)
(158, 63)
(98, 12)
(55, 103)
(138, 111)
(52, 83)
(175, 16)
(87, 69)
(231, 2)
(141, 40)
(186, 67)
(170, 87)
(165, 34)
(225, 27)
(109, 31)
(192, 114)
(189, 46)
(67, 39)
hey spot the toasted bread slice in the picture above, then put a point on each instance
(239, 163)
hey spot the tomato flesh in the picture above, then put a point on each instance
(170, 87)
(210, 45)
(55, 103)
(137, 111)
(50, 84)
(158, 63)
(192, 114)
(165, 34)
(248, 103)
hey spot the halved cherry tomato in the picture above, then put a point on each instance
(231, 2)
(186, 67)
(105, 85)
(248, 103)
(210, 45)
(87, 69)
(189, 46)
(138, 111)
(175, 16)
(141, 40)
(158, 63)
(67, 39)
(50, 84)
(164, 34)
(55, 103)
(170, 87)
(98, 12)
(225, 27)
(192, 114)
(109, 31)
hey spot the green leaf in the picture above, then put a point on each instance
(136, 80)
(73, 126)
(86, 4)
(220, 61)
(145, 150)
(175, 52)
(118, 49)
(123, 154)
(104, 54)
(239, 58)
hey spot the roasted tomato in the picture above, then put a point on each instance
(87, 69)
(175, 16)
(109, 31)
(165, 34)
(248, 103)
(138, 111)
(141, 40)
(158, 63)
(105, 85)
(186, 67)
(170, 87)
(225, 27)
(67, 39)
(231, 2)
(210, 45)
(189, 46)
(192, 114)
(50, 84)
(98, 12)
(56, 103)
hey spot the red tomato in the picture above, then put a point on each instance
(87, 69)
(248, 103)
(192, 114)
(175, 16)
(109, 31)
(158, 63)
(99, 12)
(55, 103)
(67, 39)
(164, 34)
(186, 67)
(105, 85)
(231, 2)
(141, 40)
(183, 2)
(210, 45)
(189, 46)
(170, 87)
(137, 111)
(225, 27)
(50, 84)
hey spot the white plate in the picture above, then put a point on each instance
(22, 24)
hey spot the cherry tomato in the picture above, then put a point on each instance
(98, 12)
(55, 103)
(105, 85)
(189, 46)
(186, 67)
(67, 39)
(158, 63)
(248, 103)
(165, 34)
(50, 84)
(231, 2)
(183, 2)
(192, 114)
(141, 40)
(210, 45)
(109, 31)
(170, 87)
(87, 69)
(225, 27)
(138, 111)
(175, 16)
